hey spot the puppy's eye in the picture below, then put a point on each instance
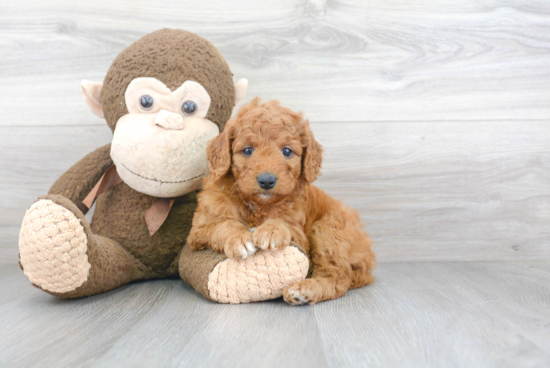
(247, 152)
(189, 107)
(287, 152)
(146, 102)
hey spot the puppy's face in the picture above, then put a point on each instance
(267, 158)
(270, 150)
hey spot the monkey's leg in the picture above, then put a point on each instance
(60, 255)
(261, 276)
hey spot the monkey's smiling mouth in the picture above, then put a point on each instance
(163, 182)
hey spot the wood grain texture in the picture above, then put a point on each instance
(436, 123)
(353, 60)
(9, 244)
(442, 315)
(414, 315)
(34, 157)
(427, 192)
(448, 191)
(385, 84)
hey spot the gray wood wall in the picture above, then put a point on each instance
(434, 115)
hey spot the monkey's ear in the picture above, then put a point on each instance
(240, 90)
(218, 153)
(92, 93)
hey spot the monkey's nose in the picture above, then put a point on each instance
(267, 180)
(169, 120)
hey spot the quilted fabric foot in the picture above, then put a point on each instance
(53, 245)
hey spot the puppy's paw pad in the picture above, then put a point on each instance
(298, 298)
(270, 245)
(247, 249)
(239, 246)
(272, 235)
(299, 294)
(250, 248)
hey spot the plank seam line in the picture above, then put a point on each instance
(322, 122)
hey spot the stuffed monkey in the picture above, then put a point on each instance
(164, 97)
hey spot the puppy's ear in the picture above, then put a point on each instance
(218, 152)
(312, 156)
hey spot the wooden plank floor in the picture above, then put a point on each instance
(492, 314)
(435, 119)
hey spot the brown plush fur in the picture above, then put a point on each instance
(232, 202)
(120, 248)
(113, 265)
(172, 56)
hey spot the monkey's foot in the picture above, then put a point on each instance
(53, 245)
(262, 276)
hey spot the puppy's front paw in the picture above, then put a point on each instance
(272, 234)
(239, 245)
(303, 292)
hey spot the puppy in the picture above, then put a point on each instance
(259, 194)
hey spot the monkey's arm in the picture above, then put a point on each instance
(79, 180)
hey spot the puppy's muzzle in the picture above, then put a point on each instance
(267, 181)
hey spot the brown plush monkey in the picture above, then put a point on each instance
(164, 97)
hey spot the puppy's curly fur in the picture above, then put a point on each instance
(270, 139)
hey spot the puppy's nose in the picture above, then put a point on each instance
(267, 180)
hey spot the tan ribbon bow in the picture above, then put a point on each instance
(154, 216)
(109, 180)
(157, 214)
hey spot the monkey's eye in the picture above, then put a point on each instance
(287, 152)
(247, 152)
(189, 107)
(146, 102)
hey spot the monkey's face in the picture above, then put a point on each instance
(159, 146)
(165, 97)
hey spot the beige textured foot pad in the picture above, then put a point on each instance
(262, 276)
(53, 245)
